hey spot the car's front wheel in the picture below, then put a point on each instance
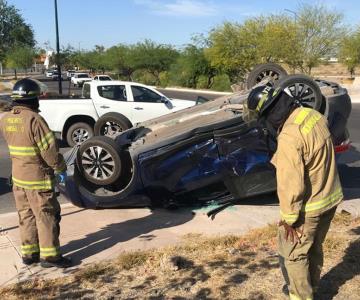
(99, 160)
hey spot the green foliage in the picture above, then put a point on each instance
(190, 66)
(349, 53)
(154, 58)
(121, 60)
(14, 32)
(221, 83)
(20, 57)
(320, 32)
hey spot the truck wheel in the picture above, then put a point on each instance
(303, 89)
(264, 71)
(111, 124)
(99, 161)
(79, 133)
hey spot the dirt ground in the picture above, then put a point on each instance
(228, 267)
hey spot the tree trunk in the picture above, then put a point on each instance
(15, 74)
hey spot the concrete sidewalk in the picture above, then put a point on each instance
(96, 235)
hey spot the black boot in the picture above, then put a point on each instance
(32, 259)
(59, 262)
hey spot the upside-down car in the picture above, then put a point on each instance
(199, 153)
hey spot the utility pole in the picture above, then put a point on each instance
(58, 48)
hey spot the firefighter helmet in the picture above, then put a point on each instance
(261, 98)
(26, 89)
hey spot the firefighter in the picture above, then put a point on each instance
(308, 185)
(36, 163)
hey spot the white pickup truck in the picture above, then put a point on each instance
(106, 108)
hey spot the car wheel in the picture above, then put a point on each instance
(99, 161)
(270, 70)
(111, 125)
(303, 89)
(79, 133)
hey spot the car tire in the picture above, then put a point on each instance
(111, 125)
(260, 72)
(304, 89)
(99, 160)
(79, 133)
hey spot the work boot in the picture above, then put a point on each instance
(31, 259)
(59, 262)
(285, 290)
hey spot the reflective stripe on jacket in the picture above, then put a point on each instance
(33, 149)
(306, 172)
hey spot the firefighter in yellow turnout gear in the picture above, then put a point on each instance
(36, 162)
(308, 185)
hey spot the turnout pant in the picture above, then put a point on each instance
(301, 264)
(39, 218)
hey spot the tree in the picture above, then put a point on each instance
(190, 65)
(121, 59)
(14, 32)
(154, 58)
(349, 52)
(319, 32)
(20, 57)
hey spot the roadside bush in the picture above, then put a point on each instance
(221, 83)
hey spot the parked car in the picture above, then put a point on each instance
(113, 105)
(102, 77)
(55, 75)
(70, 73)
(79, 78)
(49, 73)
(203, 152)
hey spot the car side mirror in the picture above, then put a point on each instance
(167, 102)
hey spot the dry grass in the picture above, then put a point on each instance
(225, 267)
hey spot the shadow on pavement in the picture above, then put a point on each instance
(347, 269)
(350, 181)
(115, 233)
(4, 186)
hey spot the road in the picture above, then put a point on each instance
(349, 168)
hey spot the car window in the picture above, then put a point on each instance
(86, 91)
(113, 92)
(83, 76)
(142, 94)
(104, 78)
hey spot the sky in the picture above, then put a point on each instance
(85, 23)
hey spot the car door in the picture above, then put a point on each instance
(112, 98)
(245, 151)
(148, 104)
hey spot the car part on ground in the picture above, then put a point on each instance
(78, 133)
(266, 71)
(111, 124)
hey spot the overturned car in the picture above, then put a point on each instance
(204, 152)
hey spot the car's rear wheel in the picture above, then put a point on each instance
(261, 72)
(99, 160)
(79, 133)
(302, 88)
(111, 124)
